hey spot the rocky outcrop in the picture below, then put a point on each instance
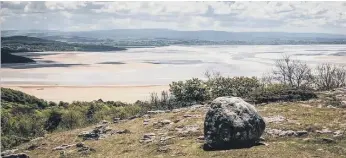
(99, 132)
(232, 123)
(20, 155)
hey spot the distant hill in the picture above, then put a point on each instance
(7, 57)
(34, 44)
(15, 44)
(169, 37)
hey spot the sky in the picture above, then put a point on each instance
(317, 17)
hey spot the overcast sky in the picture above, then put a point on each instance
(322, 17)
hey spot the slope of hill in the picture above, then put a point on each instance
(183, 136)
(7, 57)
(296, 128)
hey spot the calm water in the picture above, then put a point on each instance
(167, 64)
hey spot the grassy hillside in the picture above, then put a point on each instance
(298, 116)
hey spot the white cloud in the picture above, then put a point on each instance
(230, 16)
(64, 5)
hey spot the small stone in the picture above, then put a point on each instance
(337, 134)
(164, 149)
(33, 147)
(176, 110)
(20, 155)
(116, 120)
(330, 106)
(262, 143)
(8, 152)
(200, 138)
(125, 131)
(165, 122)
(324, 131)
(79, 145)
(302, 133)
(156, 112)
(148, 135)
(187, 115)
(328, 140)
(63, 147)
(343, 104)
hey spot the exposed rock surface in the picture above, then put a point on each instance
(125, 131)
(8, 152)
(99, 132)
(274, 119)
(63, 147)
(20, 155)
(284, 133)
(232, 123)
(187, 130)
(147, 138)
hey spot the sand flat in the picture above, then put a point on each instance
(128, 94)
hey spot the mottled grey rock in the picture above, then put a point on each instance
(337, 134)
(147, 138)
(8, 152)
(156, 112)
(125, 131)
(324, 131)
(116, 120)
(232, 123)
(328, 140)
(163, 149)
(302, 133)
(99, 132)
(79, 145)
(187, 130)
(200, 138)
(63, 147)
(20, 155)
(343, 104)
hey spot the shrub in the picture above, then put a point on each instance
(330, 76)
(71, 119)
(190, 91)
(227, 86)
(54, 119)
(294, 73)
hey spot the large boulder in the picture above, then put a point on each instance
(232, 123)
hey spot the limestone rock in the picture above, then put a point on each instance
(147, 138)
(20, 155)
(63, 147)
(230, 123)
(98, 132)
(8, 152)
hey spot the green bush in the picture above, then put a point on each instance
(236, 86)
(190, 91)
